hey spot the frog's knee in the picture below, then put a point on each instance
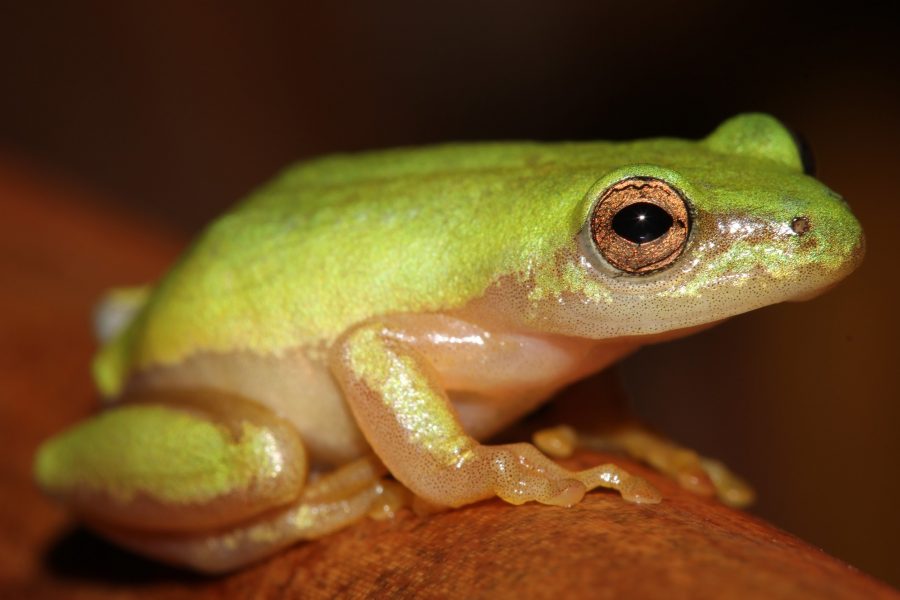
(159, 466)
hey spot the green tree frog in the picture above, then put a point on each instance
(388, 312)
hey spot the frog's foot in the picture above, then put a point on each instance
(521, 474)
(328, 504)
(700, 475)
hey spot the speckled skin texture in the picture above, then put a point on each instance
(336, 241)
(413, 302)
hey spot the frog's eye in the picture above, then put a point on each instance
(640, 225)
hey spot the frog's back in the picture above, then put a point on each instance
(338, 240)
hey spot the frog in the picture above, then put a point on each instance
(348, 339)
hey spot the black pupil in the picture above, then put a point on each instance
(641, 222)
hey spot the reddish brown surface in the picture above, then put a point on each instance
(57, 252)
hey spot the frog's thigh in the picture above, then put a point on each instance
(176, 461)
(403, 411)
(326, 505)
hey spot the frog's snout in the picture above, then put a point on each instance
(840, 250)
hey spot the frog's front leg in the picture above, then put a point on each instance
(401, 406)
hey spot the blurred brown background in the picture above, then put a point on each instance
(177, 109)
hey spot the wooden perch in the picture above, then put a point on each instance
(59, 251)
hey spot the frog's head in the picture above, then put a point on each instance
(694, 232)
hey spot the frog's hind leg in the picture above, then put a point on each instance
(329, 503)
(175, 461)
(200, 478)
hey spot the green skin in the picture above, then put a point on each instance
(493, 231)
(319, 247)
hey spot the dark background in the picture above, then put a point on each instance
(177, 109)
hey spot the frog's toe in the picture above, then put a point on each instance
(730, 489)
(393, 497)
(694, 479)
(699, 475)
(640, 491)
(632, 488)
(709, 477)
(522, 474)
(558, 442)
(571, 491)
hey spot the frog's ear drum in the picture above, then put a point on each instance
(640, 225)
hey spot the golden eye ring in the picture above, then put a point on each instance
(640, 225)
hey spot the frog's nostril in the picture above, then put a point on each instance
(800, 225)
